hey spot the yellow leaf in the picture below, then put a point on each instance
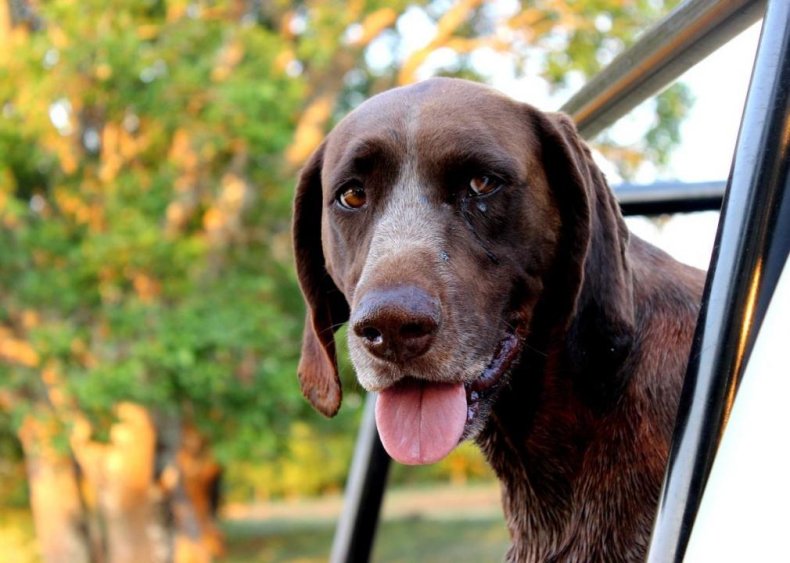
(148, 31)
(233, 189)
(17, 351)
(283, 59)
(176, 9)
(176, 216)
(374, 24)
(230, 56)
(103, 71)
(213, 220)
(57, 37)
(181, 151)
(146, 287)
(310, 130)
(30, 319)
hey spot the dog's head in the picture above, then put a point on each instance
(436, 219)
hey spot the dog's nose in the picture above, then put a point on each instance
(398, 323)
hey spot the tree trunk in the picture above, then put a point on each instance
(107, 502)
(120, 488)
(191, 479)
(58, 515)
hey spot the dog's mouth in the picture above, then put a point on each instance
(420, 421)
(492, 379)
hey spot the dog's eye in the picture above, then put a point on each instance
(482, 185)
(352, 197)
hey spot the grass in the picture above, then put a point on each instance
(436, 540)
(402, 540)
(271, 541)
(432, 523)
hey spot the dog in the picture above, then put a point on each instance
(494, 293)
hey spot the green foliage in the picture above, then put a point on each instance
(13, 490)
(598, 30)
(145, 204)
(671, 107)
(129, 307)
(311, 464)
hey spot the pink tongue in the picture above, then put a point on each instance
(421, 422)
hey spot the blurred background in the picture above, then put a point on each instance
(150, 319)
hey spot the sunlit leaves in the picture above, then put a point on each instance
(141, 186)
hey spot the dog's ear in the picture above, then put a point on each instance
(326, 306)
(596, 273)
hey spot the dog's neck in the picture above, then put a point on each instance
(535, 445)
(551, 446)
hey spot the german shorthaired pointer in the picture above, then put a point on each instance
(494, 293)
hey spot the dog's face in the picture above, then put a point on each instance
(441, 225)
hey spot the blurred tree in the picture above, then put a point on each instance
(149, 318)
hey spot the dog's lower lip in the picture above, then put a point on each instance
(508, 349)
(507, 352)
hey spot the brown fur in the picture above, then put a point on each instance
(578, 433)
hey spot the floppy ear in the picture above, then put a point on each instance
(596, 273)
(326, 307)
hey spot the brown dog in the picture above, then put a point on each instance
(493, 293)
